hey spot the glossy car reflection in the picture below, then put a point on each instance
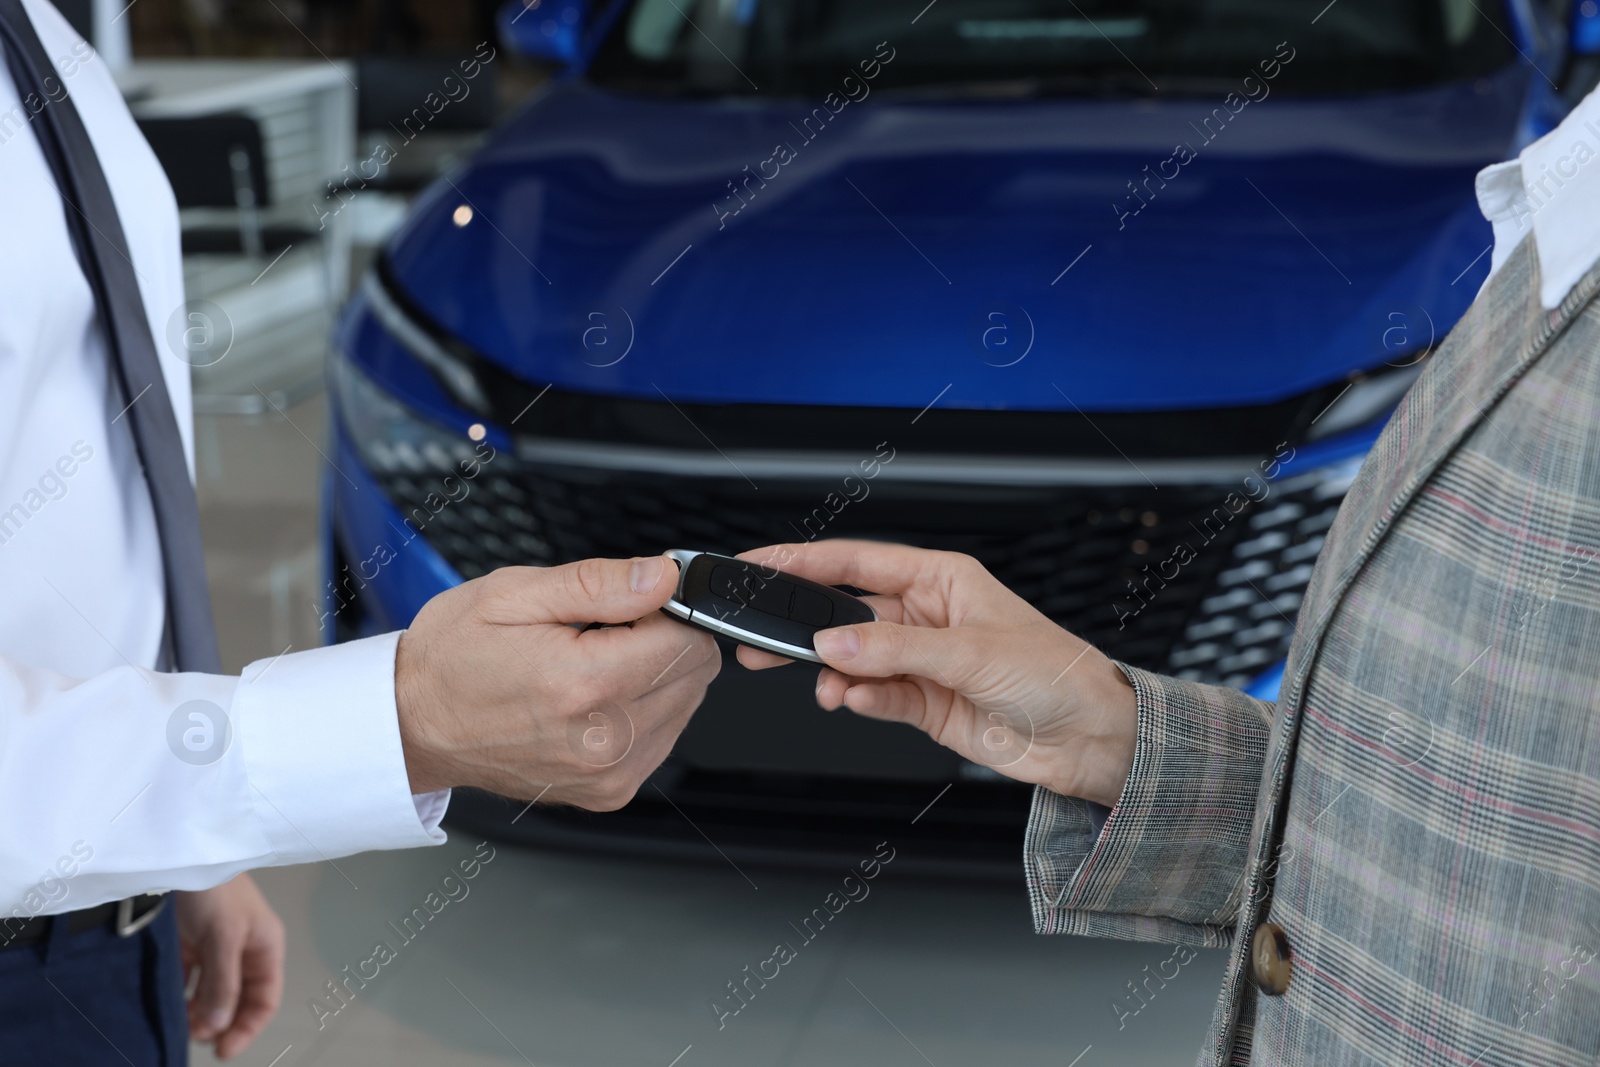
(1114, 296)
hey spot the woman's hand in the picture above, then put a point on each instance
(962, 658)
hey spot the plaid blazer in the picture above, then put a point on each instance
(1420, 810)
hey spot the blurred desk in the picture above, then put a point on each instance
(166, 88)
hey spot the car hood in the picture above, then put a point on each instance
(1122, 254)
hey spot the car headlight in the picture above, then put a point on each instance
(387, 435)
(454, 374)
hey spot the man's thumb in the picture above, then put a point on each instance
(599, 590)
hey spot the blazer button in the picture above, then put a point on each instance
(1269, 959)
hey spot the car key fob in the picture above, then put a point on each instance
(759, 606)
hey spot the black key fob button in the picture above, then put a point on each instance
(759, 606)
(745, 588)
(812, 608)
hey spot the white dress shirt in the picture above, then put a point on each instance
(1552, 188)
(95, 802)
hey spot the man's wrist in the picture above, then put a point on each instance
(426, 770)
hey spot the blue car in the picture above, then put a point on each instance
(1114, 296)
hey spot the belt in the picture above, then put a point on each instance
(126, 917)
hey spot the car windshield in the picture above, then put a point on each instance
(1035, 47)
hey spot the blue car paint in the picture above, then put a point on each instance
(551, 30)
(1333, 214)
(1370, 217)
(393, 569)
(368, 528)
(376, 352)
(1586, 28)
(1266, 687)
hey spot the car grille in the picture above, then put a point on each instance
(1193, 578)
(1107, 563)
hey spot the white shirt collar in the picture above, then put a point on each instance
(1554, 188)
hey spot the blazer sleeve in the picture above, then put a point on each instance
(1167, 863)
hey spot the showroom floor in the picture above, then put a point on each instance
(566, 960)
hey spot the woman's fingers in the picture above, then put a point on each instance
(889, 609)
(831, 686)
(950, 657)
(892, 701)
(756, 660)
(874, 565)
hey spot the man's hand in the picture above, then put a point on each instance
(234, 938)
(970, 663)
(497, 689)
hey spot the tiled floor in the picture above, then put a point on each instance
(583, 961)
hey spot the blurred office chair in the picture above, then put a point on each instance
(217, 167)
(219, 161)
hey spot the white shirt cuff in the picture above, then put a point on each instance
(320, 737)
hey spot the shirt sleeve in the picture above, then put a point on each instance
(1167, 863)
(133, 781)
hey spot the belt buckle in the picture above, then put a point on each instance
(129, 924)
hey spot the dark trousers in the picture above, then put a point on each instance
(93, 998)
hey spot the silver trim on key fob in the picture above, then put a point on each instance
(678, 609)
